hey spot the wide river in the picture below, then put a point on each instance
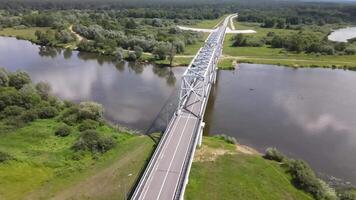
(306, 113)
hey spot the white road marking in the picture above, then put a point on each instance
(174, 154)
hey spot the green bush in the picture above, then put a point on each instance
(43, 89)
(4, 78)
(274, 154)
(304, 178)
(13, 111)
(29, 116)
(90, 110)
(132, 56)
(5, 157)
(347, 194)
(88, 125)
(9, 97)
(228, 139)
(70, 115)
(19, 79)
(63, 131)
(92, 141)
(29, 96)
(47, 112)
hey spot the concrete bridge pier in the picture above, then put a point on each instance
(200, 136)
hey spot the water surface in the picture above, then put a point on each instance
(132, 94)
(306, 113)
(342, 35)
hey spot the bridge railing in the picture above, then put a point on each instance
(152, 161)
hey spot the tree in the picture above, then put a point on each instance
(91, 140)
(239, 40)
(119, 54)
(138, 51)
(43, 89)
(4, 78)
(91, 110)
(65, 36)
(172, 53)
(19, 79)
(131, 24)
(132, 56)
(160, 50)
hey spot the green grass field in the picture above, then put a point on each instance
(45, 166)
(278, 56)
(236, 175)
(26, 34)
(208, 24)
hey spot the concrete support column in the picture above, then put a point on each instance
(200, 137)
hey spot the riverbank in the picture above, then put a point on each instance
(51, 148)
(265, 54)
(237, 172)
(231, 55)
(221, 168)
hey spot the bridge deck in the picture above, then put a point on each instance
(164, 179)
(166, 174)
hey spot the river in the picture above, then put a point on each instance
(306, 113)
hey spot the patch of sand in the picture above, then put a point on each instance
(209, 154)
(246, 150)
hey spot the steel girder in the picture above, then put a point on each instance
(201, 71)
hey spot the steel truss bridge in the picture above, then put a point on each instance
(167, 173)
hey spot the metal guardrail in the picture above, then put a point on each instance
(153, 160)
(183, 179)
(198, 70)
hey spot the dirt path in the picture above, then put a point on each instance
(80, 38)
(105, 183)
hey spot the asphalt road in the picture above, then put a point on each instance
(163, 180)
(166, 171)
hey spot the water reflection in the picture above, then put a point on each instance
(132, 93)
(306, 113)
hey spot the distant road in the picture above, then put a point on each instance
(228, 30)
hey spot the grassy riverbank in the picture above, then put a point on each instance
(51, 148)
(278, 56)
(24, 33)
(224, 170)
(45, 166)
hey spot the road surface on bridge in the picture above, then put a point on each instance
(166, 175)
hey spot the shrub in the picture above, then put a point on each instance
(19, 79)
(9, 97)
(13, 111)
(347, 194)
(29, 96)
(43, 89)
(88, 125)
(92, 141)
(4, 78)
(70, 115)
(5, 157)
(47, 112)
(274, 154)
(304, 178)
(132, 56)
(63, 131)
(90, 110)
(70, 119)
(228, 139)
(29, 116)
(138, 51)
